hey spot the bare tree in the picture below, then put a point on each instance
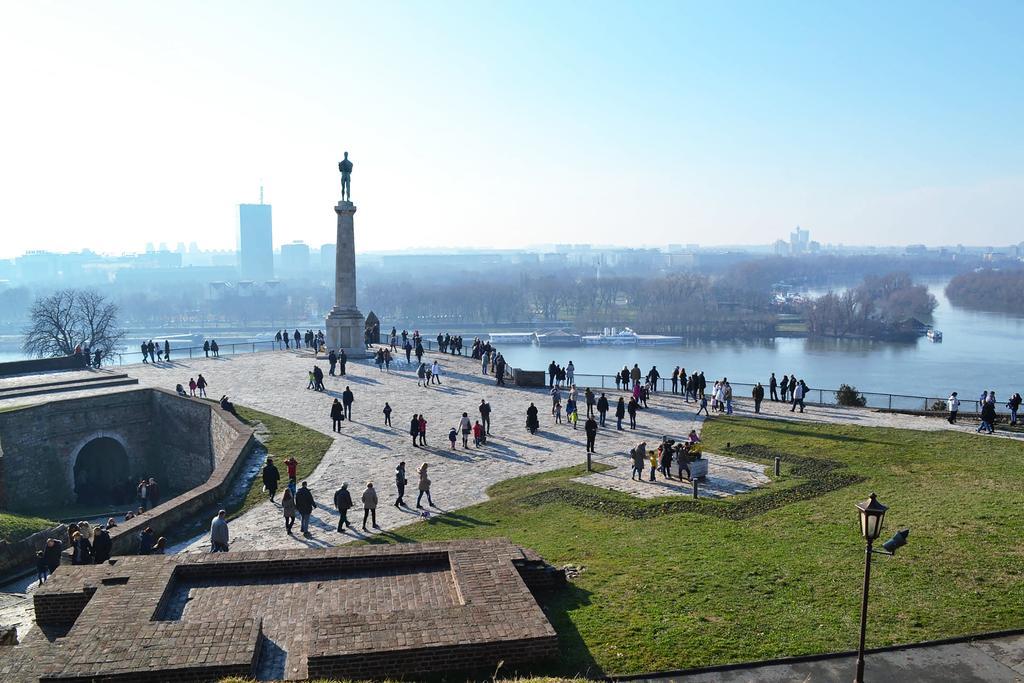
(68, 318)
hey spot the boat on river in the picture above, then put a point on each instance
(934, 334)
(627, 337)
(512, 337)
(557, 338)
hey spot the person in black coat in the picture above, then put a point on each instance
(52, 553)
(337, 415)
(631, 409)
(270, 478)
(773, 386)
(620, 412)
(532, 423)
(602, 408)
(304, 504)
(591, 429)
(343, 501)
(332, 358)
(101, 545)
(347, 397)
(414, 429)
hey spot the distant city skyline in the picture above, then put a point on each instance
(500, 125)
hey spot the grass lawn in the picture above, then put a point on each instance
(16, 527)
(283, 439)
(776, 572)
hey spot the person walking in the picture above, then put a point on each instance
(423, 429)
(387, 414)
(81, 549)
(953, 404)
(703, 405)
(435, 372)
(52, 553)
(758, 396)
(478, 434)
(347, 397)
(400, 482)
(343, 502)
(1014, 405)
(620, 412)
(590, 400)
(638, 454)
(798, 395)
(602, 409)
(414, 429)
(465, 426)
(293, 468)
(424, 487)
(304, 503)
(532, 423)
(590, 427)
(288, 510)
(369, 505)
(988, 417)
(631, 409)
(485, 415)
(191, 386)
(773, 385)
(271, 477)
(219, 537)
(337, 415)
(201, 385)
(101, 545)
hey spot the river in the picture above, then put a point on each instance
(979, 351)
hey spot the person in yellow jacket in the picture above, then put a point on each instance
(654, 462)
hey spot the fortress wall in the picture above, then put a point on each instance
(40, 443)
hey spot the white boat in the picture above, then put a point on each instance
(657, 340)
(934, 334)
(557, 338)
(512, 337)
(612, 337)
(627, 337)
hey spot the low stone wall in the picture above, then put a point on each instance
(21, 555)
(231, 443)
(25, 367)
(192, 444)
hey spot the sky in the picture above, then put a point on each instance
(510, 124)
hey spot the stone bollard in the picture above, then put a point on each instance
(694, 482)
(778, 465)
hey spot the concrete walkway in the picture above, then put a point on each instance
(989, 660)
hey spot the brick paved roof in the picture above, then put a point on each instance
(344, 611)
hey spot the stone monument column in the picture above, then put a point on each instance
(345, 324)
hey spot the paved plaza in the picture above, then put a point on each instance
(367, 450)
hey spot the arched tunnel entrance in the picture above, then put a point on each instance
(101, 470)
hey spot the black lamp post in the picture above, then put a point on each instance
(872, 514)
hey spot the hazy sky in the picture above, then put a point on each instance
(508, 124)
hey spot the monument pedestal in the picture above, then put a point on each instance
(345, 330)
(345, 325)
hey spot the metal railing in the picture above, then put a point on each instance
(741, 391)
(178, 352)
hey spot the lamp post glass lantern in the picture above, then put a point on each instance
(872, 513)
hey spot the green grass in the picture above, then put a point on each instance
(668, 587)
(16, 527)
(283, 439)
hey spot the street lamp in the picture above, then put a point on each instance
(872, 514)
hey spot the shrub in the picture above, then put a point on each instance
(939, 406)
(849, 396)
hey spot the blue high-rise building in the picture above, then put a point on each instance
(255, 241)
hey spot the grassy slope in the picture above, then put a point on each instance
(16, 527)
(284, 438)
(689, 589)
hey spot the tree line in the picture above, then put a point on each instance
(881, 306)
(989, 290)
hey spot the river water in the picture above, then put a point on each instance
(979, 351)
